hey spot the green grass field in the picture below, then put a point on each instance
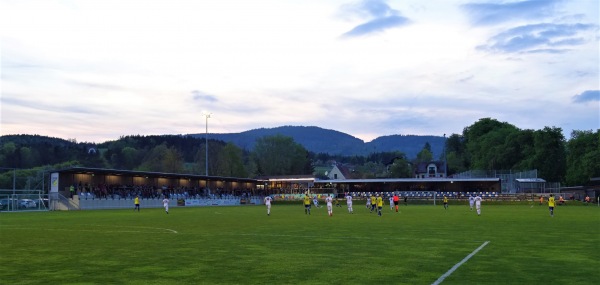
(242, 245)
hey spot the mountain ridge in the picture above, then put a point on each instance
(321, 140)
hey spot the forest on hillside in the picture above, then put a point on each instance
(486, 145)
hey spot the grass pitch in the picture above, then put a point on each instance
(242, 245)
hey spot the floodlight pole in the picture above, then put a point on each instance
(206, 116)
(445, 159)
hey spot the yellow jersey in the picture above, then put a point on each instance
(551, 202)
(373, 200)
(445, 199)
(306, 200)
(136, 200)
(379, 202)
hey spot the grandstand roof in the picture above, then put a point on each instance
(120, 172)
(530, 180)
(393, 180)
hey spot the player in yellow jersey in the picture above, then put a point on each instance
(551, 205)
(445, 202)
(373, 203)
(379, 204)
(306, 204)
(136, 201)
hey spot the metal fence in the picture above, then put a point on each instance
(23, 200)
(509, 178)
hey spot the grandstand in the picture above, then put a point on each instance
(96, 188)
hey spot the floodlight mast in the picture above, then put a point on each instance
(445, 159)
(206, 116)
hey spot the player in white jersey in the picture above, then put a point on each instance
(478, 204)
(268, 200)
(316, 201)
(391, 203)
(471, 202)
(349, 203)
(166, 204)
(329, 201)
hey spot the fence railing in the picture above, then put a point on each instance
(23, 200)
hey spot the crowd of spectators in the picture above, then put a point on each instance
(118, 191)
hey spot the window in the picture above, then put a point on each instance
(431, 170)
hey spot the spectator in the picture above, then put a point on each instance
(587, 199)
(561, 200)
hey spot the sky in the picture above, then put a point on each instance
(97, 70)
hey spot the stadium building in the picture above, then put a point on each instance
(93, 188)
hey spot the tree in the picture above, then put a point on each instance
(8, 154)
(583, 157)
(427, 146)
(129, 157)
(550, 156)
(162, 159)
(457, 157)
(26, 157)
(485, 142)
(519, 150)
(371, 170)
(229, 162)
(400, 168)
(425, 154)
(280, 155)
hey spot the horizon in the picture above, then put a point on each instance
(202, 134)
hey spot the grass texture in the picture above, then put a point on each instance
(242, 245)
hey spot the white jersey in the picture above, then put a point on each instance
(349, 199)
(477, 200)
(328, 200)
(268, 200)
(391, 200)
(471, 200)
(165, 202)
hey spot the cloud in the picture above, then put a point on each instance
(202, 96)
(545, 37)
(494, 13)
(587, 96)
(381, 17)
(377, 25)
(54, 108)
(96, 85)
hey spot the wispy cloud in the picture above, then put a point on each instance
(587, 96)
(202, 96)
(545, 37)
(380, 17)
(494, 13)
(55, 108)
(102, 86)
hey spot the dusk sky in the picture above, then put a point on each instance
(96, 70)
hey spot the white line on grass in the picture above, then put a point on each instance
(326, 237)
(456, 266)
(108, 230)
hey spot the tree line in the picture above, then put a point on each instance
(486, 145)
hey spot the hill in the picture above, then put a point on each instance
(319, 140)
